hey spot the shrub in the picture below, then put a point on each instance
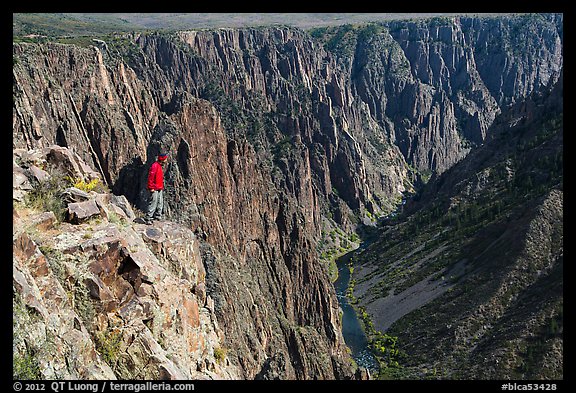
(24, 356)
(220, 354)
(108, 344)
(46, 196)
(25, 366)
(92, 185)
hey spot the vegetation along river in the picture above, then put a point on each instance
(351, 327)
(352, 331)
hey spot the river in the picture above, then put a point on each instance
(352, 331)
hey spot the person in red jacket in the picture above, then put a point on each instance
(156, 187)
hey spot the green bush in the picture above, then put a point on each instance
(25, 358)
(108, 344)
(46, 196)
(220, 354)
(25, 366)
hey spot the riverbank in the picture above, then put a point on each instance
(352, 327)
(370, 348)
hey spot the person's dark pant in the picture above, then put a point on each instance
(155, 205)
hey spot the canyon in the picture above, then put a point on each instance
(283, 143)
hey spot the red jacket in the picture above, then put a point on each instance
(155, 177)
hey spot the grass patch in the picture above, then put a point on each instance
(26, 366)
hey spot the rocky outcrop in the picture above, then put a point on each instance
(105, 297)
(153, 277)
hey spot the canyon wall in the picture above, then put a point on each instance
(271, 131)
(469, 277)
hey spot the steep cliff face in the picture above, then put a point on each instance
(281, 91)
(272, 132)
(436, 85)
(469, 278)
(257, 233)
(417, 93)
(270, 293)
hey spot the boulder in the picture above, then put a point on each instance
(79, 212)
(70, 162)
(73, 195)
(121, 202)
(43, 221)
(39, 174)
(20, 183)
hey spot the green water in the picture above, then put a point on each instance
(352, 331)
